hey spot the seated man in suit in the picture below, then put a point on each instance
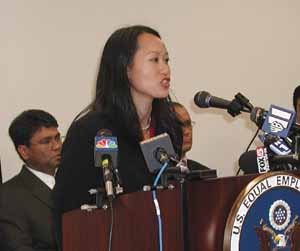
(187, 132)
(26, 206)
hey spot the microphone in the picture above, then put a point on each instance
(157, 151)
(108, 179)
(252, 162)
(105, 155)
(289, 158)
(248, 162)
(239, 103)
(276, 144)
(277, 120)
(106, 146)
(161, 155)
(203, 99)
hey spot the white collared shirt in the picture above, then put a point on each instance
(48, 179)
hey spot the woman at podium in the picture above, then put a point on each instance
(131, 102)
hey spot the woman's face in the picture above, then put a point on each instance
(149, 73)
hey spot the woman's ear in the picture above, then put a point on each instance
(129, 72)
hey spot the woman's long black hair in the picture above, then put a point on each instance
(113, 94)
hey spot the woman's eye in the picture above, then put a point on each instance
(155, 59)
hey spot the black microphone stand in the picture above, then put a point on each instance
(238, 104)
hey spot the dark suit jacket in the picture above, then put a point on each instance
(26, 220)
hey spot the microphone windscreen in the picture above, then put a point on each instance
(202, 99)
(248, 162)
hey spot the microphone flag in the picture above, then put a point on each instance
(105, 146)
(262, 160)
(278, 121)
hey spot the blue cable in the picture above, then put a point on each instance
(156, 204)
(159, 174)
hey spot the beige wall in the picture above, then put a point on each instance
(49, 52)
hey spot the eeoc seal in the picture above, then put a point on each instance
(279, 214)
(265, 216)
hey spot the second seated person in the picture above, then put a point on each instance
(132, 101)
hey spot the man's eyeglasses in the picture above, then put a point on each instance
(49, 141)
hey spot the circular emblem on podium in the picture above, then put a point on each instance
(279, 215)
(265, 216)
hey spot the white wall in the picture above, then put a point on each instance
(49, 53)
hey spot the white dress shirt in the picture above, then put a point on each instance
(48, 179)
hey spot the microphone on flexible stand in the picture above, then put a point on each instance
(203, 99)
(240, 103)
(106, 151)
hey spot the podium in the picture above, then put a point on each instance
(197, 224)
(135, 224)
(210, 202)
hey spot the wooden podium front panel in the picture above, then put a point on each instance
(209, 203)
(135, 224)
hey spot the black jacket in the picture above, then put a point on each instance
(77, 173)
(26, 214)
